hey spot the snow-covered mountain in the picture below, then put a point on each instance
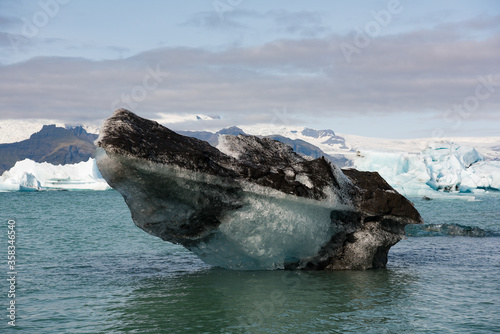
(326, 140)
(13, 130)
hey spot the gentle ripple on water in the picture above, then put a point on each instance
(85, 268)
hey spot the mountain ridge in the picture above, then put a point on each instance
(52, 144)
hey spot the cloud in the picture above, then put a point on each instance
(212, 20)
(482, 24)
(301, 23)
(292, 23)
(427, 70)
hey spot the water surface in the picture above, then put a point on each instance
(83, 267)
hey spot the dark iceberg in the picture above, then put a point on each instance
(252, 203)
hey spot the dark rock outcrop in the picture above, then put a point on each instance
(253, 205)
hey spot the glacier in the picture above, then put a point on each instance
(254, 204)
(27, 175)
(442, 166)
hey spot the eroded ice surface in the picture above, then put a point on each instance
(268, 233)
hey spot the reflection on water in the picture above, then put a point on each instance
(222, 301)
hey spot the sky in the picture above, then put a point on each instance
(390, 69)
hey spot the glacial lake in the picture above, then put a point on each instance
(82, 266)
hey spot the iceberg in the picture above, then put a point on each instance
(482, 175)
(252, 204)
(27, 175)
(441, 166)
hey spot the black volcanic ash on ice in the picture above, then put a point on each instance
(258, 205)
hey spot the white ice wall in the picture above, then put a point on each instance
(29, 175)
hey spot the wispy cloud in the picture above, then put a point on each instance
(211, 20)
(292, 23)
(302, 23)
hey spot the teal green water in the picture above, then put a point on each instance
(83, 267)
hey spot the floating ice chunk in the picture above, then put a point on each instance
(259, 206)
(27, 175)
